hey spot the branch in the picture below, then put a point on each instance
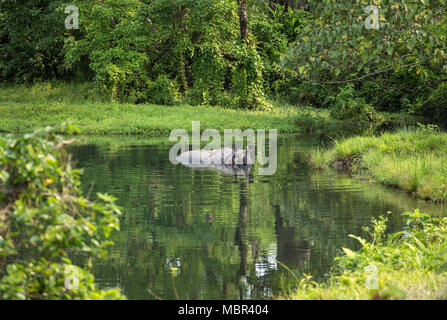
(167, 47)
(228, 56)
(366, 75)
(152, 24)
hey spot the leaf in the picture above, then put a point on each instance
(351, 254)
(48, 182)
(4, 176)
(337, 72)
(389, 50)
(362, 241)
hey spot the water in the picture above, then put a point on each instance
(205, 235)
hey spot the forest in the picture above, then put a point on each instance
(355, 88)
(236, 54)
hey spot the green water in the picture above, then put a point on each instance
(205, 235)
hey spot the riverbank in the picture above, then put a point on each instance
(24, 108)
(412, 160)
(408, 265)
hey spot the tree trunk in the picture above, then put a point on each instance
(242, 6)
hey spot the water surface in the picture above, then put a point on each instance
(201, 234)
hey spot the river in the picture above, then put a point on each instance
(202, 234)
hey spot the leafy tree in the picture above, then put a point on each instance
(341, 45)
(114, 41)
(31, 40)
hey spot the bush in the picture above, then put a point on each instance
(434, 107)
(162, 91)
(31, 40)
(348, 106)
(194, 97)
(409, 264)
(113, 40)
(45, 220)
(394, 92)
(247, 82)
(318, 95)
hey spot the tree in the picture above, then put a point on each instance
(242, 9)
(341, 45)
(31, 40)
(247, 79)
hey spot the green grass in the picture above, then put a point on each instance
(412, 160)
(24, 108)
(409, 266)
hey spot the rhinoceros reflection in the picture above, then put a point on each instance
(226, 160)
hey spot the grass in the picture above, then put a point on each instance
(412, 160)
(24, 108)
(404, 265)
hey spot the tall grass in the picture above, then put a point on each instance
(23, 108)
(413, 160)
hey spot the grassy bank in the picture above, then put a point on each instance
(403, 265)
(412, 160)
(23, 108)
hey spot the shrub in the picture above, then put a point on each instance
(394, 92)
(31, 40)
(408, 264)
(45, 220)
(113, 39)
(162, 91)
(348, 106)
(434, 107)
(312, 93)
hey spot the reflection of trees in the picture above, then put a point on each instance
(240, 237)
(291, 249)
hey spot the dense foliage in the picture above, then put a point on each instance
(31, 40)
(125, 47)
(46, 223)
(238, 53)
(339, 45)
(394, 67)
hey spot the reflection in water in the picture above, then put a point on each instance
(225, 169)
(292, 250)
(203, 234)
(241, 238)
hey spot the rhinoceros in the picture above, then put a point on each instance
(227, 160)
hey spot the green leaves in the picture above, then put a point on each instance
(35, 34)
(349, 253)
(417, 219)
(339, 47)
(4, 176)
(47, 215)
